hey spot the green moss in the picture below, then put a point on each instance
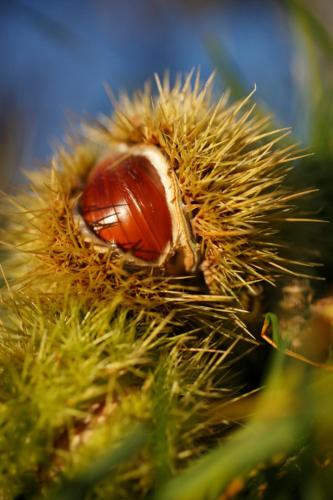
(76, 379)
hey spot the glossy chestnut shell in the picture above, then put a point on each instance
(124, 203)
(131, 203)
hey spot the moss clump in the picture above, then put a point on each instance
(74, 381)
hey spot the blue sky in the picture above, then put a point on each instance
(57, 55)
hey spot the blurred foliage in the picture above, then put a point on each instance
(11, 136)
(232, 78)
(314, 54)
(284, 450)
(78, 487)
(292, 413)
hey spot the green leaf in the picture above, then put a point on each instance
(312, 25)
(315, 55)
(207, 478)
(273, 322)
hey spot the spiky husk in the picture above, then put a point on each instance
(230, 171)
(74, 382)
(88, 348)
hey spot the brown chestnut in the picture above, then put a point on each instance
(131, 202)
(124, 203)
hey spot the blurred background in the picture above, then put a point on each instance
(57, 57)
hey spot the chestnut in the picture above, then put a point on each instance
(131, 203)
